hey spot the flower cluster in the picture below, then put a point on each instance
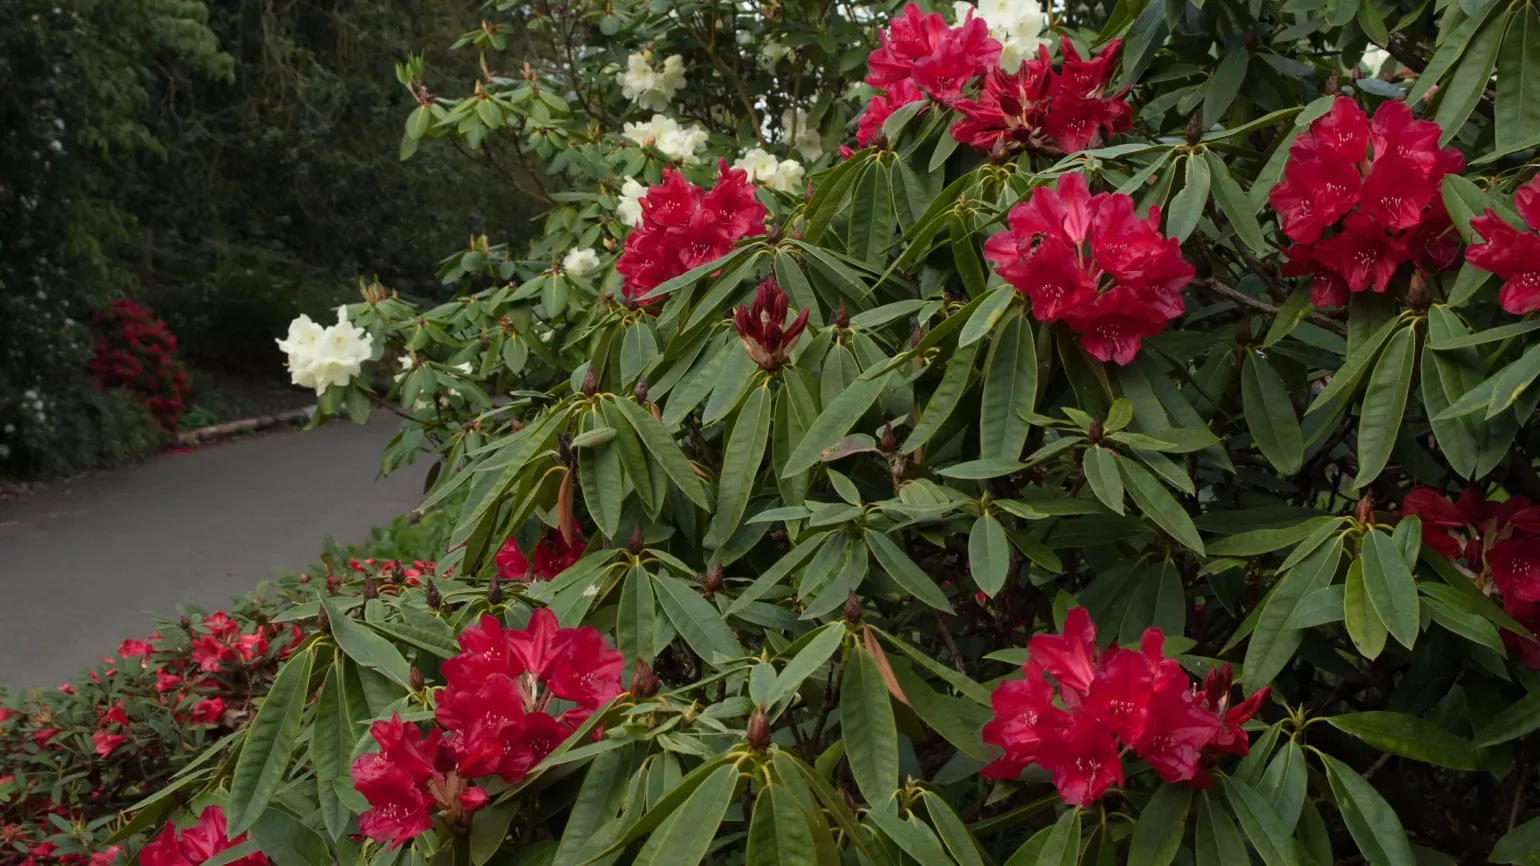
(1089, 261)
(134, 351)
(196, 844)
(801, 134)
(922, 56)
(1385, 207)
(322, 357)
(1109, 701)
(781, 175)
(580, 262)
(554, 554)
(683, 227)
(496, 717)
(1017, 24)
(629, 207)
(1496, 543)
(1512, 254)
(678, 143)
(1038, 108)
(652, 89)
(763, 329)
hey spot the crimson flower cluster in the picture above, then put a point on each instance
(920, 56)
(554, 554)
(684, 227)
(135, 351)
(1512, 254)
(1110, 702)
(1385, 208)
(497, 717)
(1089, 261)
(196, 844)
(1497, 542)
(762, 326)
(1038, 108)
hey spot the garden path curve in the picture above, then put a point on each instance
(81, 561)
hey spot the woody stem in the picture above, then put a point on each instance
(1318, 319)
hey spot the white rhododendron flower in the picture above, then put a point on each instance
(1018, 24)
(651, 88)
(321, 357)
(787, 177)
(1374, 59)
(630, 208)
(678, 143)
(772, 53)
(580, 263)
(802, 135)
(782, 175)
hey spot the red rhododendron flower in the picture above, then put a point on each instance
(208, 711)
(763, 329)
(118, 714)
(210, 653)
(554, 554)
(683, 228)
(1111, 700)
(196, 844)
(881, 107)
(221, 625)
(165, 682)
(1374, 183)
(394, 779)
(484, 726)
(1512, 254)
(1039, 109)
(909, 38)
(131, 648)
(43, 735)
(1089, 261)
(962, 54)
(250, 646)
(105, 743)
(511, 562)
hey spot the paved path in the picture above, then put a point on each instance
(82, 561)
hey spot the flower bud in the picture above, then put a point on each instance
(494, 592)
(711, 581)
(1243, 332)
(1365, 512)
(638, 539)
(1094, 435)
(1334, 84)
(370, 590)
(304, 578)
(641, 391)
(323, 622)
(842, 316)
(916, 336)
(332, 583)
(1194, 130)
(1418, 297)
(431, 595)
(590, 383)
(889, 442)
(852, 609)
(758, 734)
(186, 624)
(414, 678)
(644, 683)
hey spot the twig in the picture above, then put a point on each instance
(951, 645)
(1319, 319)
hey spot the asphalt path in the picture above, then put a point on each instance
(83, 561)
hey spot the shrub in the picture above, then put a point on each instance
(135, 352)
(1067, 476)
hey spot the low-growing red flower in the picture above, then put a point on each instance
(130, 648)
(196, 844)
(1375, 185)
(763, 329)
(210, 653)
(683, 228)
(106, 743)
(42, 735)
(1091, 262)
(1512, 254)
(1111, 700)
(165, 682)
(1038, 108)
(118, 714)
(208, 711)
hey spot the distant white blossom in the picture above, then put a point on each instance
(1018, 24)
(801, 134)
(678, 143)
(771, 53)
(1374, 59)
(464, 367)
(580, 263)
(320, 357)
(651, 88)
(630, 208)
(782, 175)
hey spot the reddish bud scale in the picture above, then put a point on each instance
(760, 326)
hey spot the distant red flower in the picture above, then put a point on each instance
(1512, 254)
(1111, 700)
(131, 648)
(554, 554)
(1384, 208)
(683, 228)
(196, 844)
(221, 625)
(1039, 109)
(763, 329)
(43, 735)
(511, 562)
(165, 682)
(106, 743)
(208, 711)
(1090, 261)
(210, 653)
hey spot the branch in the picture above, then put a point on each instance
(1318, 319)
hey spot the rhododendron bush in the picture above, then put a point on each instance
(985, 434)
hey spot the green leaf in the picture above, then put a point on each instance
(1459, 96)
(366, 647)
(904, 572)
(1363, 624)
(1345, 381)
(1369, 818)
(288, 842)
(1273, 641)
(868, 728)
(986, 315)
(813, 655)
(1373, 23)
(977, 470)
(685, 836)
(1237, 208)
(1223, 87)
(1270, 415)
(953, 832)
(1157, 503)
(1284, 783)
(1518, 80)
(835, 421)
(778, 572)
(1513, 721)
(1217, 840)
(1101, 471)
(1520, 846)
(1411, 737)
(1513, 380)
(1187, 205)
(1262, 825)
(912, 837)
(696, 620)
(264, 759)
(989, 555)
(1259, 541)
(599, 473)
(331, 745)
(1158, 835)
(1296, 308)
(636, 620)
(597, 801)
(778, 832)
(740, 463)
(665, 450)
(1063, 845)
(1384, 404)
(1391, 589)
(949, 392)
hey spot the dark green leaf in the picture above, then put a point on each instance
(1270, 415)
(868, 728)
(264, 759)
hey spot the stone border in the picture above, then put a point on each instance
(244, 425)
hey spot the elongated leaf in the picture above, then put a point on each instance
(835, 421)
(1158, 835)
(1384, 404)
(904, 572)
(1460, 95)
(1391, 589)
(1411, 737)
(949, 392)
(636, 621)
(331, 745)
(1514, 721)
(1187, 205)
(1062, 847)
(1270, 415)
(1224, 85)
(264, 758)
(685, 836)
(1512, 381)
(1157, 503)
(1273, 641)
(1518, 80)
(1520, 846)
(1262, 825)
(1217, 840)
(697, 621)
(953, 832)
(740, 463)
(778, 833)
(868, 728)
(1369, 818)
(665, 451)
(1284, 783)
(1101, 472)
(989, 555)
(366, 647)
(1010, 385)
(813, 655)
(286, 841)
(1236, 206)
(1363, 624)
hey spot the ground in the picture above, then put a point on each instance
(82, 561)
